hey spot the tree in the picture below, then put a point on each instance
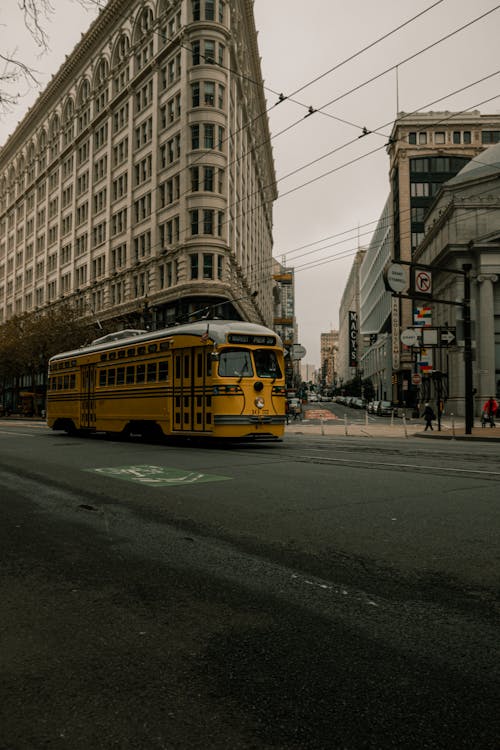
(28, 341)
(16, 73)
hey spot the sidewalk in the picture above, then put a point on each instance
(412, 429)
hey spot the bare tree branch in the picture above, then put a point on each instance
(36, 16)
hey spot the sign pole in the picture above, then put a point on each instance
(469, 403)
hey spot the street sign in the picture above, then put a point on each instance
(298, 351)
(423, 281)
(448, 336)
(409, 337)
(397, 278)
(416, 378)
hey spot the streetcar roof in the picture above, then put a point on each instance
(218, 330)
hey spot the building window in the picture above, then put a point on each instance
(208, 266)
(194, 266)
(490, 136)
(422, 139)
(439, 138)
(195, 136)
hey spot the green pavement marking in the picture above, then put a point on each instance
(158, 476)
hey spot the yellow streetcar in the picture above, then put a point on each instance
(217, 378)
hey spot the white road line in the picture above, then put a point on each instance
(10, 432)
(401, 466)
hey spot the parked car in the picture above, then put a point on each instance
(294, 407)
(371, 407)
(312, 398)
(384, 409)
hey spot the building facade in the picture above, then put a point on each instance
(463, 227)
(426, 150)
(140, 185)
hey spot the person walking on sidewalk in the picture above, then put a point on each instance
(428, 417)
(490, 409)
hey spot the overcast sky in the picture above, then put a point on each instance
(299, 42)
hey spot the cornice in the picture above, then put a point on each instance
(99, 32)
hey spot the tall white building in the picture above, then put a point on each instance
(140, 185)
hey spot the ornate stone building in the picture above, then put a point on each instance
(140, 185)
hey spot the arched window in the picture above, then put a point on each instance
(31, 162)
(143, 38)
(68, 116)
(42, 151)
(101, 84)
(21, 166)
(83, 92)
(83, 105)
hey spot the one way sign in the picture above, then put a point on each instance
(448, 336)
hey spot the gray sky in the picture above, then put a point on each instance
(298, 42)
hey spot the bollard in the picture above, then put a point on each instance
(322, 425)
(404, 426)
(366, 418)
(392, 418)
(345, 423)
(453, 426)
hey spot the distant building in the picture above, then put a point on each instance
(284, 321)
(140, 184)
(328, 352)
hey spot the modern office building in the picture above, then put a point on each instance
(140, 185)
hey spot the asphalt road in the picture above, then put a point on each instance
(314, 593)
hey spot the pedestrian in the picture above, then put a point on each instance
(287, 411)
(428, 416)
(490, 408)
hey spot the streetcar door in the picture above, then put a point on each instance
(190, 407)
(87, 403)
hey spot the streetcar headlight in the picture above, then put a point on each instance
(259, 402)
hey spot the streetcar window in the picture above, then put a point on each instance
(186, 365)
(266, 363)
(66, 382)
(235, 363)
(151, 372)
(130, 352)
(141, 350)
(199, 365)
(141, 374)
(130, 374)
(102, 377)
(112, 355)
(104, 357)
(111, 376)
(59, 383)
(120, 375)
(72, 381)
(164, 346)
(163, 370)
(152, 348)
(121, 354)
(209, 364)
